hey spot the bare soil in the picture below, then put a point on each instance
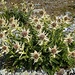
(52, 7)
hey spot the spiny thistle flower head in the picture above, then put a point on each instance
(35, 56)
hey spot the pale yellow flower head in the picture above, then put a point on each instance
(42, 37)
(54, 51)
(54, 25)
(12, 19)
(3, 36)
(13, 24)
(67, 19)
(16, 46)
(71, 54)
(25, 34)
(68, 39)
(4, 49)
(39, 26)
(2, 22)
(35, 56)
(59, 19)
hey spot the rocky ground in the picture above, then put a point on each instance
(64, 72)
(53, 7)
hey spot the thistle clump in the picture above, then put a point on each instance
(36, 41)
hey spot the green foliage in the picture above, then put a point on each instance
(28, 45)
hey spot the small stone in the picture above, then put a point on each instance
(60, 72)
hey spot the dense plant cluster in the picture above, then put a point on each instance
(31, 39)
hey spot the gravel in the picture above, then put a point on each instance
(66, 72)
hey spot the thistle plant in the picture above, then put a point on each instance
(35, 40)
